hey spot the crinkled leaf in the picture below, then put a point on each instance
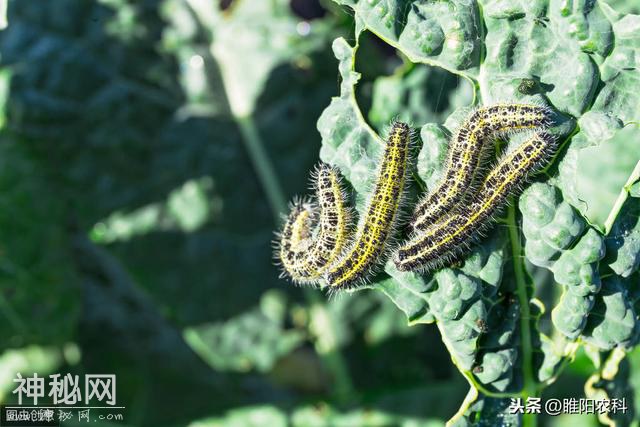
(528, 47)
(549, 224)
(446, 34)
(555, 240)
(601, 145)
(347, 141)
(620, 70)
(418, 94)
(623, 242)
(527, 43)
(463, 297)
(612, 321)
(407, 294)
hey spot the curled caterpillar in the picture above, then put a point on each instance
(376, 227)
(467, 152)
(294, 238)
(454, 233)
(303, 255)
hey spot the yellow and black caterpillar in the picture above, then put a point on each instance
(381, 214)
(319, 248)
(303, 255)
(437, 244)
(333, 254)
(467, 153)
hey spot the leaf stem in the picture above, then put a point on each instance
(622, 197)
(262, 165)
(529, 389)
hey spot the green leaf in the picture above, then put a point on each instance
(601, 145)
(478, 324)
(417, 94)
(445, 34)
(549, 224)
(578, 58)
(621, 71)
(577, 267)
(612, 321)
(463, 297)
(265, 44)
(347, 141)
(253, 340)
(432, 156)
(551, 356)
(623, 242)
(529, 42)
(555, 240)
(406, 292)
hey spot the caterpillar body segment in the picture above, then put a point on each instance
(334, 222)
(433, 247)
(294, 238)
(311, 241)
(376, 227)
(468, 151)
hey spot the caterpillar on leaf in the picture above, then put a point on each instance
(376, 228)
(303, 254)
(434, 246)
(467, 152)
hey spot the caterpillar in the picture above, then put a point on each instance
(467, 152)
(453, 234)
(294, 237)
(303, 256)
(376, 227)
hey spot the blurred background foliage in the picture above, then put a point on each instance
(147, 147)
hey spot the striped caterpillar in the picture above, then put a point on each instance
(376, 228)
(305, 257)
(444, 239)
(318, 248)
(468, 151)
(343, 260)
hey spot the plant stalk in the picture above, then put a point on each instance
(529, 389)
(263, 167)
